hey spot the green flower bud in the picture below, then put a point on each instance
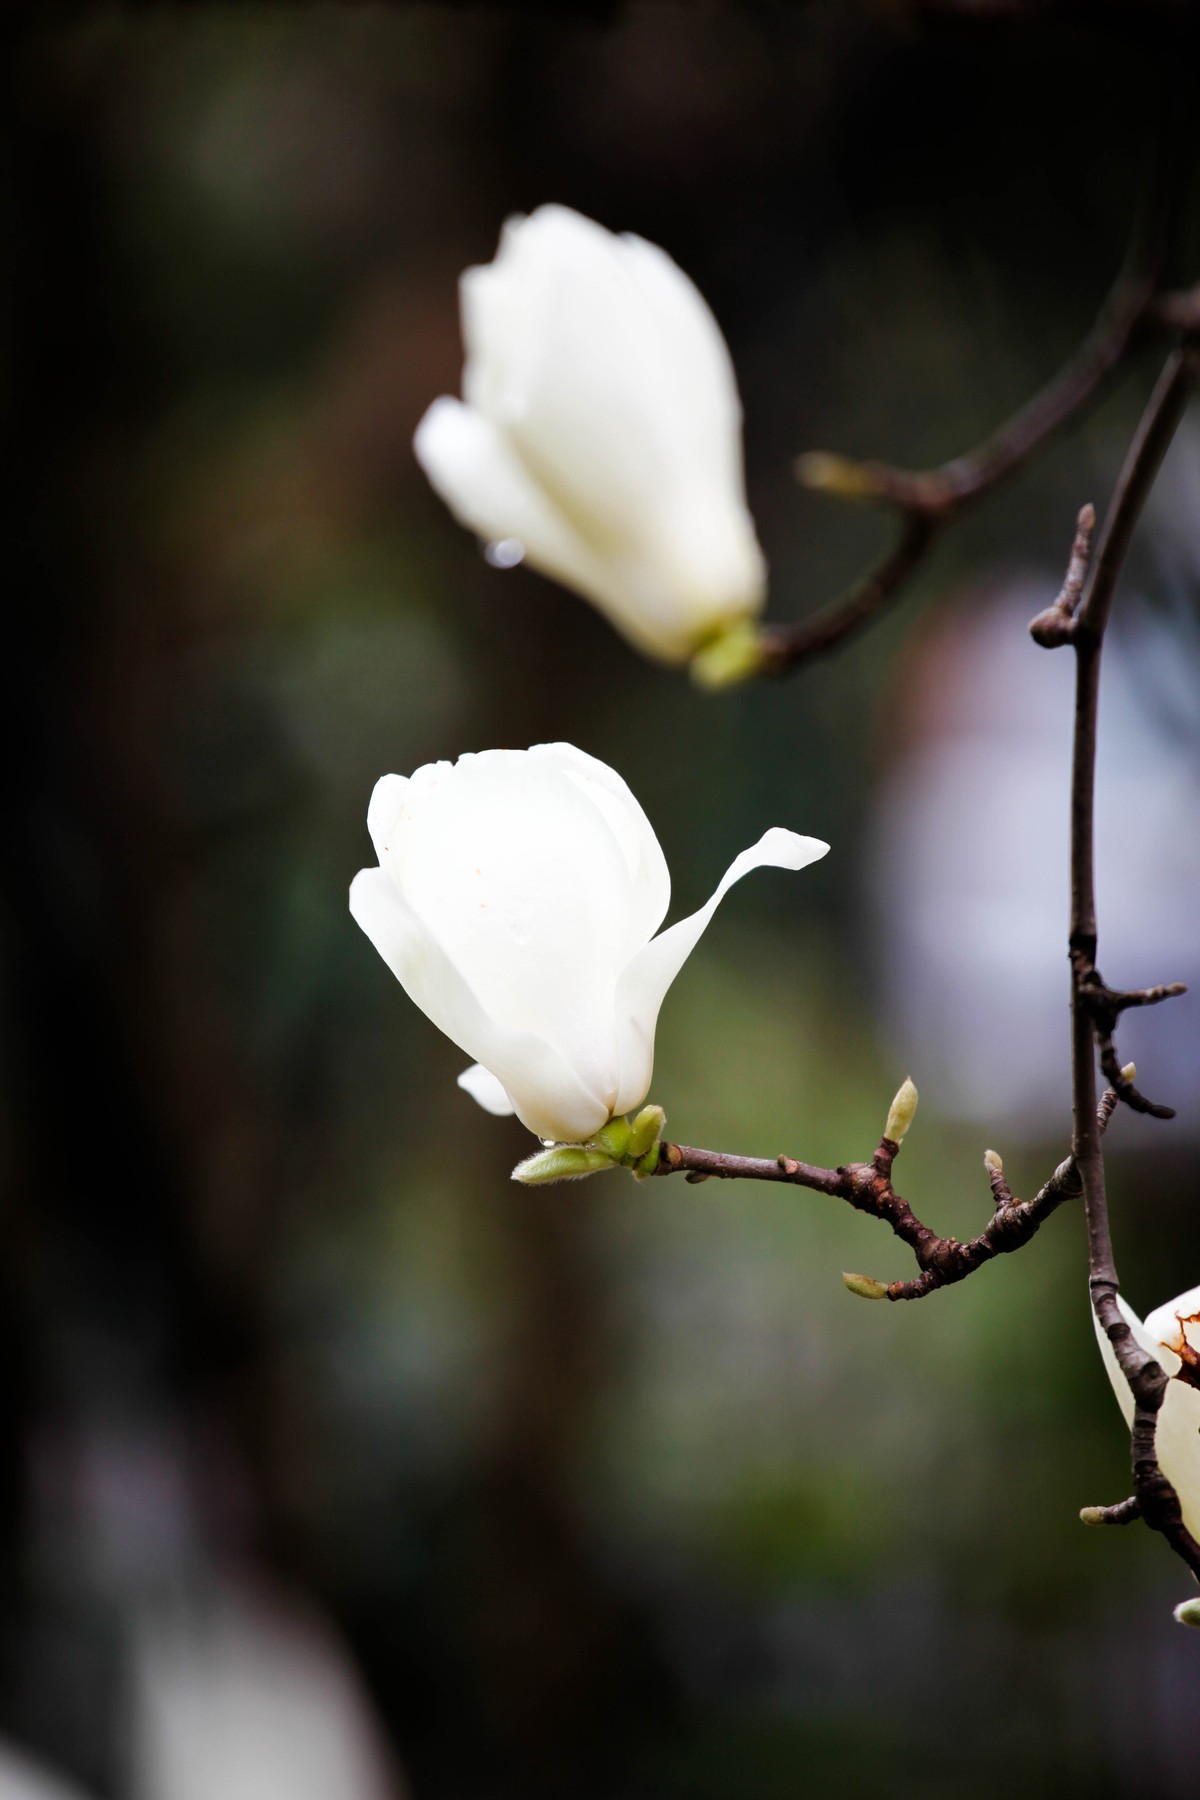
(613, 1139)
(732, 656)
(903, 1112)
(562, 1162)
(1188, 1612)
(646, 1130)
(865, 1286)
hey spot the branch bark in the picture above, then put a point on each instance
(868, 1188)
(927, 500)
(1157, 1501)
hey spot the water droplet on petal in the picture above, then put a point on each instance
(505, 553)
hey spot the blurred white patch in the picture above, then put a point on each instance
(21, 1779)
(247, 1697)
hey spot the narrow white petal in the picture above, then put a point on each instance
(483, 1087)
(547, 1095)
(1150, 1344)
(383, 814)
(488, 488)
(644, 983)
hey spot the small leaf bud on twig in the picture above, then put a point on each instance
(865, 1286)
(903, 1112)
(1188, 1612)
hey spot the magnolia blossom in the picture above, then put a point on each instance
(516, 901)
(1168, 1334)
(600, 432)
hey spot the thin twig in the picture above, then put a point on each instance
(868, 1188)
(1157, 1500)
(926, 500)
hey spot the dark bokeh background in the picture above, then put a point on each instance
(321, 1440)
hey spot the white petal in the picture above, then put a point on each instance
(1177, 1443)
(513, 866)
(644, 983)
(383, 813)
(1167, 1323)
(483, 1087)
(547, 1095)
(1177, 1433)
(650, 892)
(487, 487)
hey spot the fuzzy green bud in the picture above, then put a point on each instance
(865, 1286)
(903, 1112)
(734, 655)
(562, 1162)
(840, 476)
(992, 1163)
(1188, 1612)
(646, 1130)
(614, 1139)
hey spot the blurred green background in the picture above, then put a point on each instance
(609, 1491)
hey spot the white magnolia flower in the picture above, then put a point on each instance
(1166, 1333)
(516, 901)
(600, 432)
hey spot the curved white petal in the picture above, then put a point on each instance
(644, 983)
(1179, 1318)
(537, 874)
(383, 812)
(483, 1087)
(547, 1094)
(1177, 1433)
(478, 472)
(602, 430)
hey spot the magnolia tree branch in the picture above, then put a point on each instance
(926, 501)
(868, 1188)
(1080, 618)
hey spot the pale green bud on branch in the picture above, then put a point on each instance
(840, 476)
(1188, 1612)
(563, 1162)
(646, 1130)
(993, 1163)
(865, 1286)
(734, 655)
(903, 1112)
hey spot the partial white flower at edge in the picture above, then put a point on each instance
(600, 434)
(516, 901)
(1163, 1334)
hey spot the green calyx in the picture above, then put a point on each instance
(632, 1144)
(734, 654)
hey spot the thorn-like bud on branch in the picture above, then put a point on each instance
(992, 1163)
(865, 1286)
(1053, 626)
(903, 1112)
(1188, 1612)
(840, 476)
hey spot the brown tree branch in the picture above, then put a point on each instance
(868, 1188)
(927, 500)
(1094, 1007)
